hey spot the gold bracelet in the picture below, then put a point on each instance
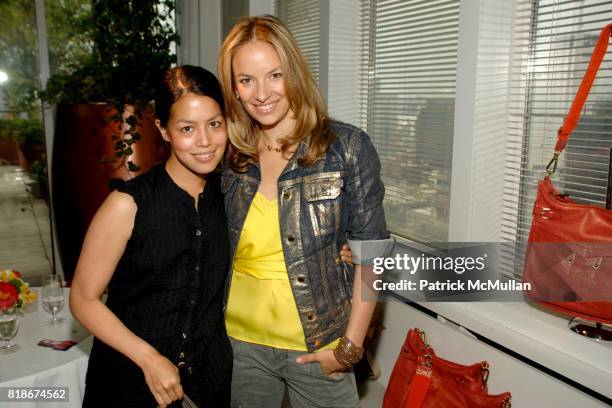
(347, 353)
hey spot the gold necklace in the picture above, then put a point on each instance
(275, 149)
(272, 149)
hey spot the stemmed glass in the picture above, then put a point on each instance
(52, 296)
(9, 323)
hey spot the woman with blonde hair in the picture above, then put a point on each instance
(297, 185)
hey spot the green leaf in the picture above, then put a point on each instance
(132, 166)
(17, 284)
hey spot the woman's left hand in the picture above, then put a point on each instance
(325, 359)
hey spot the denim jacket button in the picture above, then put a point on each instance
(317, 343)
(286, 195)
(310, 316)
(301, 278)
(290, 238)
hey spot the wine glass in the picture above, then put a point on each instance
(9, 323)
(52, 296)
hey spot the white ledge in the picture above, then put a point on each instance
(538, 335)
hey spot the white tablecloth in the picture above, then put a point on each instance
(36, 366)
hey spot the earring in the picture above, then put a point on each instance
(237, 96)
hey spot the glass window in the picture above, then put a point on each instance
(303, 19)
(557, 39)
(410, 75)
(25, 233)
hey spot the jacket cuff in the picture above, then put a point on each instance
(365, 251)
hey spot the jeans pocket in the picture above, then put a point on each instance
(317, 372)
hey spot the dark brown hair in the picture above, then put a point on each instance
(183, 80)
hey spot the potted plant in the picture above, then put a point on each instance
(38, 187)
(28, 137)
(105, 126)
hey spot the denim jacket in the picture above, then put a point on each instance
(337, 198)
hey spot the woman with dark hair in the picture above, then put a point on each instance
(159, 243)
(297, 185)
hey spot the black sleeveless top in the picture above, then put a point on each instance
(168, 290)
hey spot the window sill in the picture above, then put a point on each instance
(537, 335)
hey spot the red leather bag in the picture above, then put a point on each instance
(422, 379)
(568, 260)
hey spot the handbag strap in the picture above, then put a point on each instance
(419, 385)
(585, 87)
(571, 120)
(421, 379)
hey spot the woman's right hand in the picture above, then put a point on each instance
(163, 379)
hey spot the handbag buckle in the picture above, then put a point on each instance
(597, 263)
(571, 259)
(423, 371)
(422, 336)
(425, 360)
(551, 167)
(484, 372)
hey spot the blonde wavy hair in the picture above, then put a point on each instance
(305, 100)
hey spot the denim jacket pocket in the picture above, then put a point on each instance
(322, 196)
(323, 186)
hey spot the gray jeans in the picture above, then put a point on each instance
(261, 374)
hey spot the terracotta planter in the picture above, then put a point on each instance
(28, 153)
(8, 152)
(84, 163)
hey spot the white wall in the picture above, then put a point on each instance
(260, 7)
(199, 25)
(344, 61)
(483, 65)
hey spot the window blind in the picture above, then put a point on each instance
(302, 17)
(554, 40)
(409, 79)
(345, 61)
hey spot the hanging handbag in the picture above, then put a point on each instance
(422, 379)
(569, 250)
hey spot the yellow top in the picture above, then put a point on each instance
(261, 308)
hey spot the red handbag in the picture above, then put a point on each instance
(569, 250)
(422, 379)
